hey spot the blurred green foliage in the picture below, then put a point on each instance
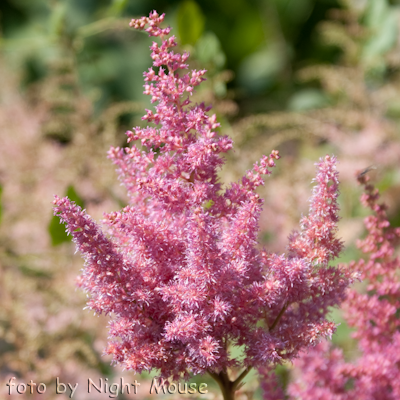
(190, 22)
(262, 41)
(57, 229)
(381, 20)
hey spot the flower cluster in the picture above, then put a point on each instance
(180, 269)
(324, 374)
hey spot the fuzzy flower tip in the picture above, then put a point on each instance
(180, 269)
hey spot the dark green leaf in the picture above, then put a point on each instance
(73, 196)
(57, 230)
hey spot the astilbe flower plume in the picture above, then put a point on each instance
(179, 268)
(374, 315)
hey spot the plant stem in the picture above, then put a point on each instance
(279, 317)
(228, 387)
(225, 384)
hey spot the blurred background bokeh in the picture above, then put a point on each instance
(306, 77)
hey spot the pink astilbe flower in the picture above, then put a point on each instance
(180, 269)
(375, 317)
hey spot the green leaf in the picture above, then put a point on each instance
(307, 99)
(117, 7)
(209, 50)
(57, 232)
(247, 36)
(381, 19)
(73, 196)
(190, 22)
(57, 20)
(294, 12)
(56, 229)
(375, 13)
(383, 38)
(259, 70)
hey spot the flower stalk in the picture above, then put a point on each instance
(180, 268)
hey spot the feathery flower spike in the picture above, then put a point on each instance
(180, 268)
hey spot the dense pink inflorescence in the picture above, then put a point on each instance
(323, 373)
(180, 269)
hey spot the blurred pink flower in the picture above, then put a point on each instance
(323, 372)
